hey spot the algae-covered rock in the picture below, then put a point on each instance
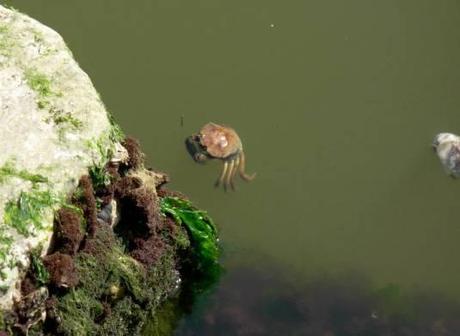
(90, 242)
(53, 126)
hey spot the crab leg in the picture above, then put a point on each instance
(243, 175)
(235, 168)
(230, 173)
(222, 175)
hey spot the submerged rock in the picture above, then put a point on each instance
(53, 126)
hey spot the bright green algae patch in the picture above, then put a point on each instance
(26, 214)
(28, 211)
(201, 229)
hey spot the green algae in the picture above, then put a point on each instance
(106, 265)
(27, 213)
(6, 41)
(92, 308)
(99, 270)
(78, 311)
(127, 318)
(9, 170)
(38, 268)
(201, 229)
(99, 177)
(62, 119)
(116, 134)
(4, 289)
(103, 146)
(41, 84)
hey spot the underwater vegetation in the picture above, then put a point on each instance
(201, 230)
(199, 267)
(260, 302)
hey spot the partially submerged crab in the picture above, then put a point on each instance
(219, 142)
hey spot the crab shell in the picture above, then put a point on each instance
(220, 142)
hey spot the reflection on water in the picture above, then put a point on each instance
(254, 302)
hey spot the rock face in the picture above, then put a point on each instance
(53, 126)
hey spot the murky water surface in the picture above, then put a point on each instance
(337, 103)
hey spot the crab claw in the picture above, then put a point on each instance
(195, 149)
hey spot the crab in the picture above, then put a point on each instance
(223, 143)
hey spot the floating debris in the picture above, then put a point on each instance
(447, 146)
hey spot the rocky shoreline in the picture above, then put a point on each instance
(91, 242)
(105, 271)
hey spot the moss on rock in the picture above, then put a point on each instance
(105, 280)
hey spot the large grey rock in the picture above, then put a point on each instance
(53, 126)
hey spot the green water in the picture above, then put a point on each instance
(336, 103)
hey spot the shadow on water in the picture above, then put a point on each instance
(249, 301)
